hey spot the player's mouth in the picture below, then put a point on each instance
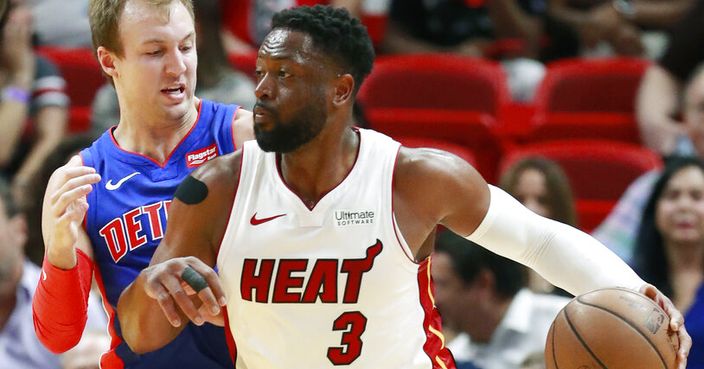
(175, 92)
(261, 112)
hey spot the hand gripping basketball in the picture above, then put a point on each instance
(618, 328)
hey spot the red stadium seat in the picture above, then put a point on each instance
(376, 26)
(461, 151)
(245, 63)
(79, 119)
(83, 78)
(81, 71)
(439, 96)
(599, 171)
(588, 99)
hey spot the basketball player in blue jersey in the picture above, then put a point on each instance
(106, 210)
(318, 229)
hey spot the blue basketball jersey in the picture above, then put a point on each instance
(126, 220)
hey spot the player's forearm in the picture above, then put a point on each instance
(143, 324)
(60, 304)
(578, 263)
(565, 256)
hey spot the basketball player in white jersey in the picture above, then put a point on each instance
(318, 229)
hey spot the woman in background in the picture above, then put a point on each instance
(670, 245)
(541, 186)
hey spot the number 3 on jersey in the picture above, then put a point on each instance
(354, 324)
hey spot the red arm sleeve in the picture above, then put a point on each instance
(60, 304)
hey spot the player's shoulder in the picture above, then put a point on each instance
(434, 176)
(422, 162)
(243, 126)
(243, 115)
(222, 172)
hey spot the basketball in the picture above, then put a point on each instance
(611, 328)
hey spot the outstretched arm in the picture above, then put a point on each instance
(565, 256)
(155, 308)
(453, 193)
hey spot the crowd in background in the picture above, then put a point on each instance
(496, 312)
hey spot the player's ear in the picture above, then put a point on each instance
(344, 89)
(106, 59)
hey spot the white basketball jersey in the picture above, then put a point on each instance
(332, 286)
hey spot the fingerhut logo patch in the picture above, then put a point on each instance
(345, 218)
(198, 157)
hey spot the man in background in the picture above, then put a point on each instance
(19, 346)
(483, 297)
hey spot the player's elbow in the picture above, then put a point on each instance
(140, 341)
(138, 327)
(130, 329)
(57, 341)
(132, 340)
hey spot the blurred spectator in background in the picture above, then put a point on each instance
(670, 244)
(61, 23)
(483, 296)
(659, 96)
(669, 248)
(541, 186)
(33, 103)
(608, 27)
(216, 78)
(253, 19)
(509, 30)
(70, 146)
(619, 229)
(535, 360)
(19, 346)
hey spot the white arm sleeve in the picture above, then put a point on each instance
(565, 256)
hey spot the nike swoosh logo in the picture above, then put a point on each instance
(254, 221)
(111, 187)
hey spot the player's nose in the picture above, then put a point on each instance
(175, 63)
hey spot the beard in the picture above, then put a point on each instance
(288, 136)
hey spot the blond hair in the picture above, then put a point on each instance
(104, 16)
